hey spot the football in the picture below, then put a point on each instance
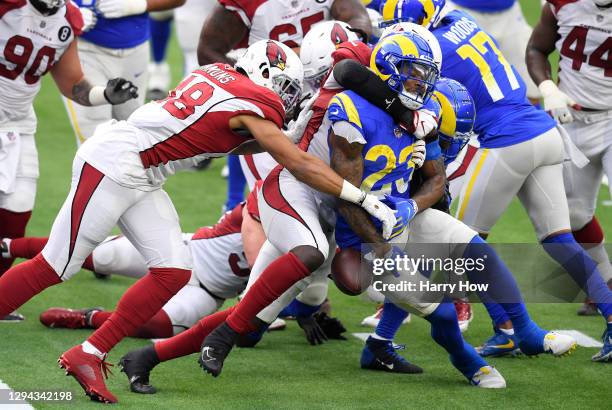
(349, 274)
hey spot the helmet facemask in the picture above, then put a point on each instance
(414, 79)
(47, 7)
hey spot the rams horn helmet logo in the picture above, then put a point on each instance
(276, 55)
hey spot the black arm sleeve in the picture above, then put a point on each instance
(356, 77)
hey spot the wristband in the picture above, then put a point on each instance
(96, 96)
(548, 87)
(351, 193)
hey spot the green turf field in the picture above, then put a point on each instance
(284, 371)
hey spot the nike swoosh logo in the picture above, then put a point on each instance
(508, 345)
(389, 366)
(138, 74)
(205, 351)
(389, 102)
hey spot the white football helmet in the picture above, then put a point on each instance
(603, 3)
(427, 35)
(317, 48)
(275, 66)
(48, 7)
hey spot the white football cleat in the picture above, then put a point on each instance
(278, 324)
(559, 344)
(488, 378)
(372, 321)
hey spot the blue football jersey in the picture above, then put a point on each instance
(124, 32)
(486, 6)
(387, 153)
(504, 115)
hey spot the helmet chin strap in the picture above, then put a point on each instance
(43, 8)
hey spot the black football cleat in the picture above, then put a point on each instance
(14, 317)
(382, 355)
(137, 366)
(216, 347)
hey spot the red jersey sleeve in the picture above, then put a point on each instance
(8, 5)
(267, 101)
(245, 9)
(353, 50)
(75, 18)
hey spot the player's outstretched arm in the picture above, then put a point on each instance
(354, 13)
(69, 77)
(253, 237)
(311, 170)
(347, 160)
(221, 33)
(541, 45)
(434, 184)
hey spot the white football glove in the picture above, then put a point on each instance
(557, 103)
(89, 18)
(425, 121)
(418, 154)
(112, 9)
(295, 128)
(380, 211)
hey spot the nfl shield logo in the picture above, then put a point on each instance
(43, 24)
(294, 3)
(397, 131)
(600, 18)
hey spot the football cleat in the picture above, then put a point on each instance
(58, 317)
(605, 354)
(137, 366)
(464, 314)
(588, 308)
(372, 320)
(278, 324)
(4, 248)
(382, 355)
(89, 371)
(559, 344)
(215, 348)
(488, 377)
(14, 317)
(500, 344)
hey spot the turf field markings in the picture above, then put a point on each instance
(4, 397)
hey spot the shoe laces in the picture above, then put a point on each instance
(106, 367)
(391, 352)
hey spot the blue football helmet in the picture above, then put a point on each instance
(423, 12)
(458, 116)
(405, 59)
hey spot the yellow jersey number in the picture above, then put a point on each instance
(391, 163)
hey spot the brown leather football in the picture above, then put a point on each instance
(349, 274)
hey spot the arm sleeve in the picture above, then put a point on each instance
(356, 77)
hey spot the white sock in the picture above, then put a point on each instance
(507, 332)
(377, 337)
(600, 255)
(91, 349)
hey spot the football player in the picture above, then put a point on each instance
(116, 46)
(510, 129)
(118, 177)
(582, 104)
(29, 52)
(505, 22)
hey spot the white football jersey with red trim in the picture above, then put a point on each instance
(286, 21)
(585, 45)
(30, 44)
(163, 137)
(219, 262)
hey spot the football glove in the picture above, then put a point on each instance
(557, 103)
(112, 9)
(331, 326)
(119, 90)
(380, 211)
(424, 121)
(314, 334)
(405, 210)
(418, 154)
(89, 18)
(295, 128)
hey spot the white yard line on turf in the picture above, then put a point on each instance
(582, 339)
(6, 387)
